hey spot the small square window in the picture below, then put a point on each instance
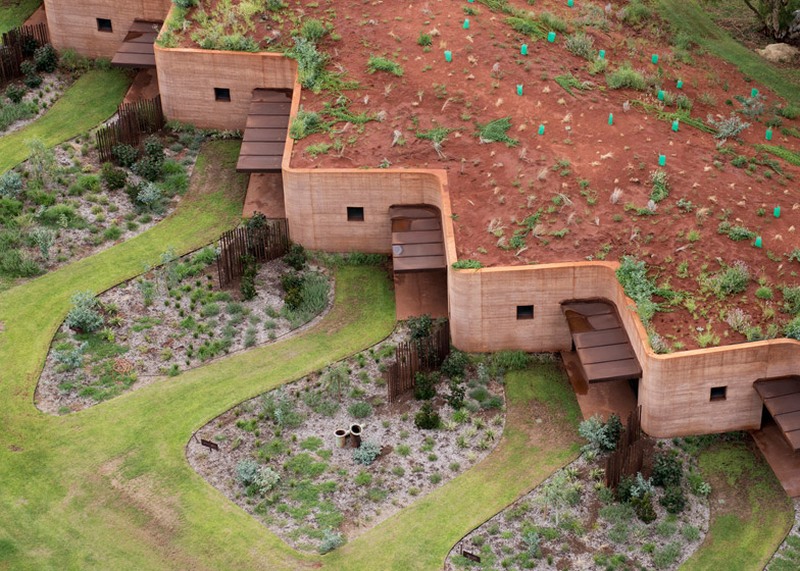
(222, 94)
(524, 312)
(104, 25)
(355, 213)
(718, 393)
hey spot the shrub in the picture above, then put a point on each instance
(15, 92)
(360, 409)
(636, 13)
(419, 326)
(581, 44)
(9, 208)
(296, 257)
(600, 436)
(313, 30)
(84, 316)
(467, 265)
(660, 181)
(246, 472)
(112, 177)
(632, 275)
(424, 39)
(44, 238)
(427, 418)
(310, 64)
(367, 452)
(626, 77)
(378, 63)
(425, 385)
(792, 329)
(667, 469)
(455, 398)
(731, 280)
(16, 264)
(149, 195)
(479, 394)
(727, 128)
(791, 299)
(495, 401)
(674, 500)
(149, 168)
(266, 479)
(70, 358)
(644, 508)
(306, 123)
(185, 4)
(330, 540)
(496, 132)
(280, 408)
(249, 271)
(46, 59)
(10, 184)
(455, 364)
(85, 183)
(532, 540)
(126, 155)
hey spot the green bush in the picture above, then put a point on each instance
(660, 181)
(367, 452)
(455, 398)
(360, 409)
(455, 364)
(296, 257)
(792, 329)
(46, 59)
(246, 471)
(85, 183)
(632, 276)
(16, 111)
(10, 184)
(147, 167)
(379, 63)
(330, 539)
(600, 436)
(313, 30)
(667, 469)
(674, 500)
(626, 77)
(731, 280)
(581, 44)
(249, 271)
(425, 385)
(84, 317)
(728, 127)
(126, 155)
(310, 64)
(60, 215)
(636, 13)
(306, 123)
(467, 265)
(15, 92)
(424, 39)
(496, 132)
(16, 264)
(112, 177)
(427, 418)
(149, 195)
(791, 299)
(644, 508)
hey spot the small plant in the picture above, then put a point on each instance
(626, 77)
(581, 44)
(360, 410)
(306, 123)
(496, 131)
(330, 540)
(425, 385)
(660, 181)
(467, 265)
(246, 472)
(667, 469)
(727, 128)
(455, 364)
(600, 436)
(731, 280)
(367, 452)
(673, 500)
(378, 63)
(424, 39)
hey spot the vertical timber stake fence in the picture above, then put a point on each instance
(133, 120)
(18, 44)
(628, 458)
(417, 356)
(266, 243)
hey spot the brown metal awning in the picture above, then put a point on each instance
(781, 396)
(417, 241)
(137, 47)
(265, 131)
(601, 343)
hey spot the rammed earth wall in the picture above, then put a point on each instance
(74, 24)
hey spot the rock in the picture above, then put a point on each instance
(778, 52)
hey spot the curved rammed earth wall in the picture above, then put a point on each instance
(74, 24)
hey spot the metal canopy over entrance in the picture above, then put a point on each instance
(603, 348)
(137, 47)
(265, 133)
(781, 396)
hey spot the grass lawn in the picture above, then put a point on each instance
(13, 14)
(750, 513)
(690, 17)
(93, 98)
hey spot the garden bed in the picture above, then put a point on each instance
(573, 521)
(171, 319)
(279, 459)
(34, 102)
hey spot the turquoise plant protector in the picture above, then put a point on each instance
(448, 56)
(610, 118)
(551, 37)
(602, 54)
(523, 49)
(654, 59)
(777, 212)
(662, 160)
(541, 129)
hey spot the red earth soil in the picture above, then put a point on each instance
(569, 173)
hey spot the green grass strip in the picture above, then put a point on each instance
(745, 530)
(690, 17)
(782, 153)
(14, 14)
(93, 98)
(682, 116)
